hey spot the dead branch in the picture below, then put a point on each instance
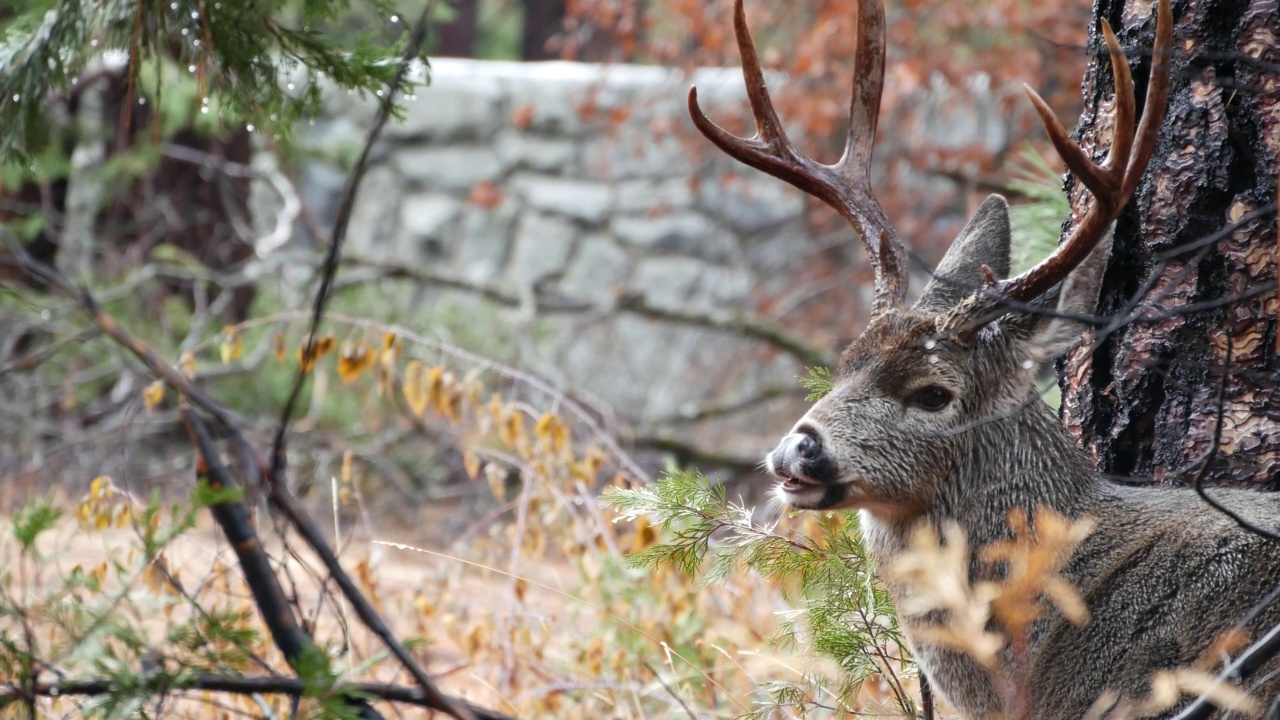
(235, 685)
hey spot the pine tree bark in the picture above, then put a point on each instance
(1193, 269)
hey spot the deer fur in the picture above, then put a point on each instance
(1163, 574)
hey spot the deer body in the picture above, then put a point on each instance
(934, 419)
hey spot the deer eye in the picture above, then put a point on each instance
(930, 397)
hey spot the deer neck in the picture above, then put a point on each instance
(1022, 461)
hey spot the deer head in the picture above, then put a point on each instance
(911, 390)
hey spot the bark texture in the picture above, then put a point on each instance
(1193, 268)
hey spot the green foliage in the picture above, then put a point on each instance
(819, 383)
(841, 612)
(1037, 224)
(30, 521)
(260, 63)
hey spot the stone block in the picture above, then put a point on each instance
(581, 199)
(426, 219)
(543, 244)
(485, 241)
(646, 195)
(374, 216)
(597, 269)
(449, 167)
(452, 108)
(751, 204)
(535, 152)
(633, 151)
(679, 233)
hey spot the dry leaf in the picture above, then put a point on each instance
(231, 345)
(415, 387)
(353, 360)
(153, 395)
(310, 353)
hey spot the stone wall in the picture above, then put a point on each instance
(561, 185)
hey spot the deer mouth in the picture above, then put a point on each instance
(795, 483)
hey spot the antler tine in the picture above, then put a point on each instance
(844, 186)
(1113, 182)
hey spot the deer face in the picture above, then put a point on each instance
(909, 394)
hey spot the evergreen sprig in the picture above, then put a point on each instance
(263, 64)
(841, 611)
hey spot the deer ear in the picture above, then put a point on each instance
(1050, 334)
(984, 241)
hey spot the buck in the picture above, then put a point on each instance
(934, 417)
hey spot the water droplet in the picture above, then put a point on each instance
(93, 42)
(249, 127)
(75, 81)
(273, 117)
(1027, 364)
(204, 110)
(217, 6)
(195, 15)
(312, 123)
(395, 18)
(142, 101)
(933, 359)
(289, 86)
(204, 100)
(930, 344)
(173, 6)
(185, 31)
(54, 691)
(378, 93)
(45, 314)
(191, 69)
(17, 97)
(195, 43)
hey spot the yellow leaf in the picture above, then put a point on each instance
(153, 395)
(415, 387)
(354, 359)
(552, 433)
(231, 346)
(387, 362)
(435, 387)
(511, 428)
(101, 487)
(388, 342)
(310, 353)
(471, 463)
(187, 364)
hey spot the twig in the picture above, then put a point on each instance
(926, 698)
(671, 691)
(233, 518)
(407, 694)
(334, 253)
(807, 354)
(1197, 483)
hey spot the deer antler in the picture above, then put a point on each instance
(845, 186)
(1112, 183)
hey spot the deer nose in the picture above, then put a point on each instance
(801, 445)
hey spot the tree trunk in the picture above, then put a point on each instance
(1192, 275)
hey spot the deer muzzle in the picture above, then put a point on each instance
(801, 463)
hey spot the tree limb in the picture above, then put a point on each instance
(407, 694)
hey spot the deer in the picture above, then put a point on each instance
(934, 417)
